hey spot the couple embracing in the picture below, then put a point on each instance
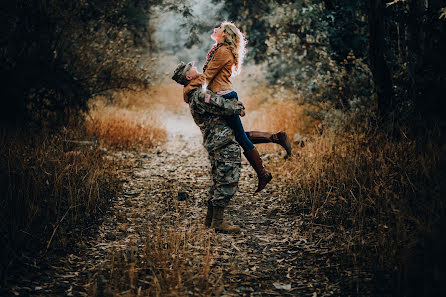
(216, 110)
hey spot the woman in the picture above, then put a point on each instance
(224, 60)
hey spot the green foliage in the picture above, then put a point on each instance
(297, 44)
(308, 48)
(347, 27)
(49, 193)
(55, 55)
(307, 43)
(183, 29)
(250, 16)
(301, 57)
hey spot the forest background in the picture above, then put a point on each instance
(369, 77)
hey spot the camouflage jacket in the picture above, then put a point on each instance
(210, 117)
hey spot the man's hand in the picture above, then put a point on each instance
(242, 113)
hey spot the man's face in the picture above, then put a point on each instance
(192, 73)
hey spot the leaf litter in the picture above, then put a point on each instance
(164, 193)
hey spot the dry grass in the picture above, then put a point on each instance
(168, 96)
(271, 113)
(164, 96)
(175, 260)
(122, 128)
(275, 114)
(47, 188)
(380, 195)
(131, 121)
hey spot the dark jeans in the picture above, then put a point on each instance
(236, 124)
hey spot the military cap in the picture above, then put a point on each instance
(179, 75)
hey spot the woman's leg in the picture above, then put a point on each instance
(247, 139)
(250, 152)
(236, 124)
(280, 138)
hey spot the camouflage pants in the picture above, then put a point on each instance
(225, 172)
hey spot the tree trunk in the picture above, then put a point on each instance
(416, 47)
(378, 65)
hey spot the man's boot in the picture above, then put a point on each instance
(220, 225)
(264, 137)
(209, 215)
(263, 175)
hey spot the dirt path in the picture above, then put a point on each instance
(270, 257)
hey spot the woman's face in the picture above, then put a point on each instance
(218, 34)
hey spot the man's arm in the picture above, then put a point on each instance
(217, 104)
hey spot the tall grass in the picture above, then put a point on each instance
(54, 185)
(132, 120)
(166, 96)
(122, 128)
(382, 196)
(47, 189)
(175, 260)
(270, 112)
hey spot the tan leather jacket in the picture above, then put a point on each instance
(217, 73)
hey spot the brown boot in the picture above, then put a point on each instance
(209, 215)
(264, 137)
(263, 175)
(220, 225)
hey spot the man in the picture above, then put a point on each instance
(208, 111)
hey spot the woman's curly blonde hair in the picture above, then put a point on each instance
(236, 42)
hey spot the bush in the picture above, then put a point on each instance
(49, 193)
(382, 197)
(56, 55)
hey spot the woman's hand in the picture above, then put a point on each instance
(242, 113)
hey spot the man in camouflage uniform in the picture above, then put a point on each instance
(208, 111)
